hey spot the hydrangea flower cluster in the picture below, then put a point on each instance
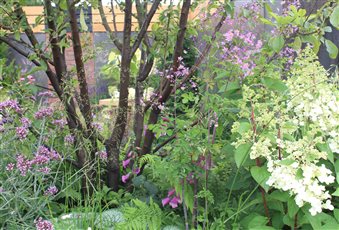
(294, 129)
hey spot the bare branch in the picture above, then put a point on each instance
(107, 28)
(144, 26)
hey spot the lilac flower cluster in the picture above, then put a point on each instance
(52, 190)
(172, 199)
(239, 49)
(22, 164)
(42, 224)
(44, 112)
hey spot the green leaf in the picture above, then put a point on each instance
(241, 154)
(336, 193)
(274, 84)
(336, 213)
(292, 207)
(83, 24)
(257, 222)
(277, 43)
(334, 18)
(331, 48)
(261, 175)
(279, 195)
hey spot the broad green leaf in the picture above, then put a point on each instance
(241, 154)
(331, 48)
(279, 195)
(336, 213)
(334, 18)
(292, 207)
(274, 84)
(277, 43)
(266, 21)
(261, 175)
(336, 193)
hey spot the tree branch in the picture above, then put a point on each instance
(144, 26)
(107, 28)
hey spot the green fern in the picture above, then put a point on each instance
(148, 158)
(140, 215)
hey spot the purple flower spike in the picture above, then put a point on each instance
(124, 178)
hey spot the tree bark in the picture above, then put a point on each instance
(114, 142)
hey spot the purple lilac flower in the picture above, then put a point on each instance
(21, 132)
(44, 112)
(52, 190)
(42, 224)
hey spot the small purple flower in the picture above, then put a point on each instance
(25, 122)
(61, 123)
(69, 139)
(44, 112)
(45, 170)
(124, 178)
(52, 190)
(10, 104)
(102, 155)
(21, 132)
(23, 164)
(10, 167)
(165, 201)
(46, 94)
(97, 126)
(42, 224)
(136, 171)
(125, 163)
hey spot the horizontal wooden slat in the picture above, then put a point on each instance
(33, 12)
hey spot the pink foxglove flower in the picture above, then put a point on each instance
(165, 201)
(124, 178)
(125, 163)
(174, 202)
